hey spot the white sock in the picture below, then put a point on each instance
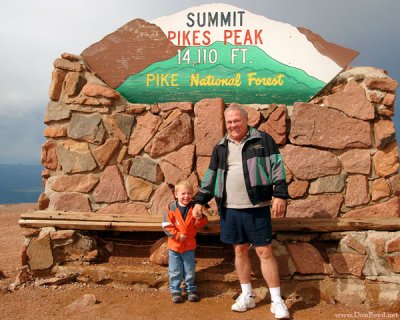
(246, 289)
(275, 294)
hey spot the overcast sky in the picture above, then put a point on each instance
(34, 33)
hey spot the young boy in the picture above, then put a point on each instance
(180, 226)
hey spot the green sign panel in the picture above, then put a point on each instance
(242, 74)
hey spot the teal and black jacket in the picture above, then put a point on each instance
(263, 169)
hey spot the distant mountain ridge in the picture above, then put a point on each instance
(20, 183)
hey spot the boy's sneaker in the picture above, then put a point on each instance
(243, 302)
(193, 297)
(279, 309)
(177, 298)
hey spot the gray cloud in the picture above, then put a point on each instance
(21, 136)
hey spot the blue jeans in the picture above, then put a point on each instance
(181, 266)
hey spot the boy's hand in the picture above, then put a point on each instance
(197, 211)
(182, 237)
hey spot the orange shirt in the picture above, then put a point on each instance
(174, 225)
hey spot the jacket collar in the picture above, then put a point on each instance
(253, 133)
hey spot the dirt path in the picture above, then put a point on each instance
(124, 303)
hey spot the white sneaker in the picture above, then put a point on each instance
(279, 309)
(243, 302)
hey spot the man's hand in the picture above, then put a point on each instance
(197, 211)
(278, 207)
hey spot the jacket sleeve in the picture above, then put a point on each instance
(206, 191)
(277, 170)
(169, 226)
(198, 224)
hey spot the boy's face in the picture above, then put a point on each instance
(184, 196)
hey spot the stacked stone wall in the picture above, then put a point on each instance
(355, 268)
(106, 155)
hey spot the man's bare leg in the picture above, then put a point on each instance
(242, 262)
(269, 266)
(243, 268)
(270, 271)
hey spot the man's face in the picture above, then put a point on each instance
(236, 125)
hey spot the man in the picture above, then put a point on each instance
(245, 171)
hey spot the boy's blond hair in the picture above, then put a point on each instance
(183, 184)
